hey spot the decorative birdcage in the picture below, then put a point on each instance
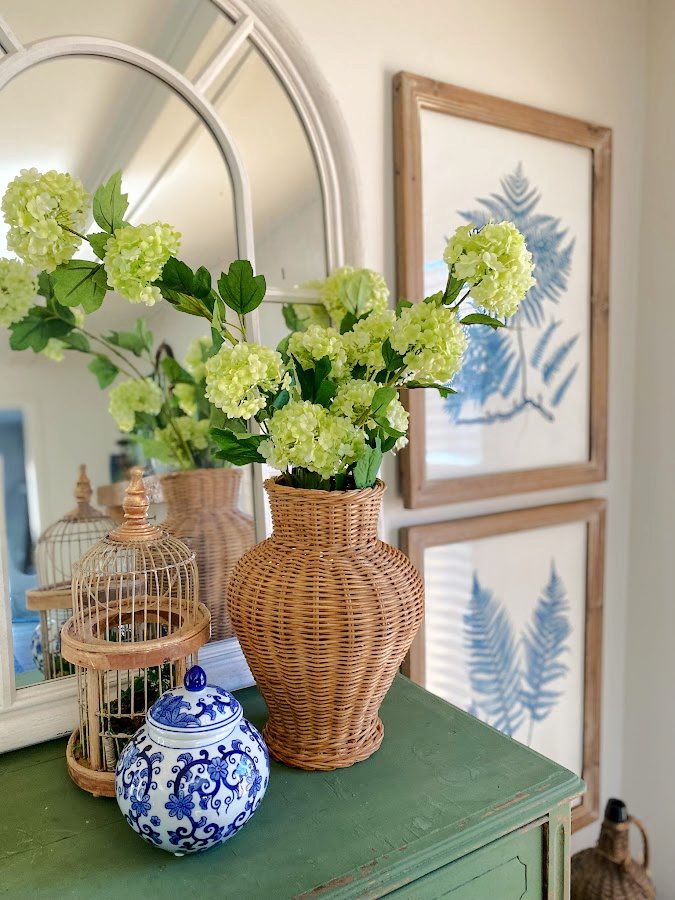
(136, 626)
(57, 549)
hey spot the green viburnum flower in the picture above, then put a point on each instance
(237, 378)
(307, 436)
(495, 261)
(358, 291)
(135, 256)
(308, 347)
(55, 349)
(431, 341)
(354, 398)
(130, 397)
(194, 357)
(185, 395)
(193, 432)
(40, 208)
(364, 342)
(18, 290)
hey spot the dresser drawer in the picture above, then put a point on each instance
(509, 869)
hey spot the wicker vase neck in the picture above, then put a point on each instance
(324, 519)
(201, 489)
(614, 841)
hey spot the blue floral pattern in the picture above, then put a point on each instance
(173, 710)
(191, 800)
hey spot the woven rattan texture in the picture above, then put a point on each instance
(325, 613)
(608, 872)
(202, 511)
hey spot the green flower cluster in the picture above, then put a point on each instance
(308, 347)
(239, 376)
(354, 400)
(140, 395)
(308, 436)
(43, 211)
(355, 291)
(431, 341)
(495, 262)
(181, 432)
(135, 256)
(18, 290)
(186, 397)
(363, 344)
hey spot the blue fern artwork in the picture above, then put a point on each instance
(500, 378)
(516, 682)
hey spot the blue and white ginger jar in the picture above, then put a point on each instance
(195, 773)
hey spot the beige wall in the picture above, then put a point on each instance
(649, 732)
(579, 57)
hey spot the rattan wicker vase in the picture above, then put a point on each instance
(607, 871)
(325, 613)
(202, 511)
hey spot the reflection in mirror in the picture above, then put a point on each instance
(103, 115)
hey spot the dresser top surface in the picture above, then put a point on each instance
(441, 785)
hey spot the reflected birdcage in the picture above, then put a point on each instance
(136, 627)
(58, 548)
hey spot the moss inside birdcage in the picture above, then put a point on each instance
(144, 690)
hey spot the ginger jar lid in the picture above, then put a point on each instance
(197, 710)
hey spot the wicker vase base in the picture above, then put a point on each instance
(311, 756)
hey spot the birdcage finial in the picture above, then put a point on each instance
(135, 526)
(82, 493)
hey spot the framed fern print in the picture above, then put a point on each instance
(513, 627)
(531, 407)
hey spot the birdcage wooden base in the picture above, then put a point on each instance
(99, 784)
(97, 653)
(326, 755)
(59, 597)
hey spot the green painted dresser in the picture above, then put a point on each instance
(447, 808)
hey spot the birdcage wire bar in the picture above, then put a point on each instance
(57, 550)
(136, 626)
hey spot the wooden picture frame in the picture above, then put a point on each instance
(417, 539)
(412, 95)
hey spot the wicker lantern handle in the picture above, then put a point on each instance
(645, 842)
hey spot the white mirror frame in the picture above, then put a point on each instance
(43, 711)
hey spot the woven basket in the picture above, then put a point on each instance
(325, 613)
(607, 871)
(202, 511)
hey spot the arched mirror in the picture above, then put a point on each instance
(222, 128)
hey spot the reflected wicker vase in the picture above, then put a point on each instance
(607, 871)
(202, 511)
(325, 614)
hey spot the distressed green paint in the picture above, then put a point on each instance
(442, 786)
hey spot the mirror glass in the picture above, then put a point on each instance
(91, 116)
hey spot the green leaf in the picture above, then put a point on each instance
(325, 393)
(452, 290)
(45, 285)
(241, 290)
(178, 276)
(348, 322)
(355, 294)
(175, 372)
(299, 316)
(401, 305)
(153, 449)
(77, 341)
(202, 283)
(217, 338)
(138, 341)
(80, 282)
(482, 319)
(381, 400)
(184, 302)
(368, 465)
(238, 449)
(104, 369)
(281, 399)
(98, 242)
(110, 204)
(218, 419)
(442, 389)
(386, 426)
(392, 359)
(36, 328)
